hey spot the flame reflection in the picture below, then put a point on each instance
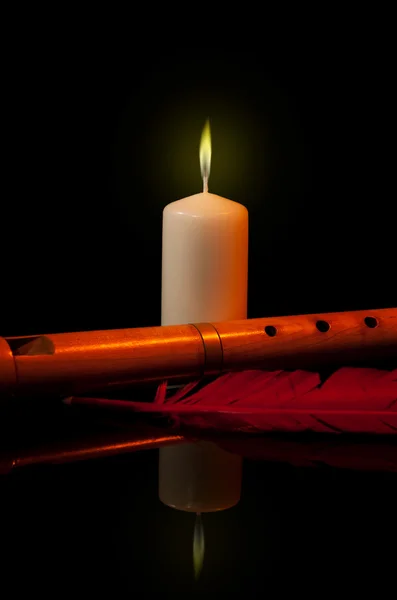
(205, 154)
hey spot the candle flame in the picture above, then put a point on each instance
(198, 546)
(205, 154)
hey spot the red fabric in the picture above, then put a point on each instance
(351, 400)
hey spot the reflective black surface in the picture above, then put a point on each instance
(97, 528)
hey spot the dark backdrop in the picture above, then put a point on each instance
(100, 140)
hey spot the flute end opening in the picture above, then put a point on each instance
(31, 346)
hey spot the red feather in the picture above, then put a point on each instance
(352, 400)
(379, 455)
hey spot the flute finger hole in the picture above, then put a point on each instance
(371, 322)
(270, 330)
(323, 326)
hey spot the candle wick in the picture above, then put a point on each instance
(205, 184)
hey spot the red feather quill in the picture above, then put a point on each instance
(351, 400)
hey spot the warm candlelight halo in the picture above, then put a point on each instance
(205, 154)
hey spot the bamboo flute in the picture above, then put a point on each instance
(70, 363)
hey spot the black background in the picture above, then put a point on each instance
(100, 140)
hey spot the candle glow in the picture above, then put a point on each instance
(204, 280)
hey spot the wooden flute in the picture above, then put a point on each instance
(70, 363)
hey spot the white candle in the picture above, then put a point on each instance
(204, 279)
(205, 255)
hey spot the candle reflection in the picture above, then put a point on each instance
(205, 155)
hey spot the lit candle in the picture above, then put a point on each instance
(205, 255)
(204, 279)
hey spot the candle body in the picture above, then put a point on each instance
(204, 279)
(199, 477)
(204, 260)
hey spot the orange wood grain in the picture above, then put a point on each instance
(70, 363)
